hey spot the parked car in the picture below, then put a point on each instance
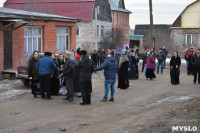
(23, 71)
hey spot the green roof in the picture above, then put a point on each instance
(136, 37)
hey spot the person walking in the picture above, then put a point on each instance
(95, 58)
(44, 67)
(166, 53)
(195, 61)
(123, 82)
(150, 66)
(68, 75)
(110, 67)
(175, 63)
(86, 69)
(33, 73)
(160, 58)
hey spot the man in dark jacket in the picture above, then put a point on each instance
(166, 53)
(160, 58)
(95, 58)
(86, 68)
(68, 75)
(44, 67)
(110, 67)
(195, 61)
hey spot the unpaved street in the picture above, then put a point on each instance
(145, 107)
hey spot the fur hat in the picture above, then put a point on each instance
(82, 52)
(47, 53)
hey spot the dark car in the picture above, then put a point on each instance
(23, 71)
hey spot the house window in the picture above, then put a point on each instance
(104, 10)
(32, 39)
(97, 30)
(126, 20)
(117, 19)
(120, 19)
(188, 39)
(123, 20)
(102, 30)
(63, 39)
(77, 30)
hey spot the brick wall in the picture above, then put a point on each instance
(124, 26)
(49, 40)
(179, 40)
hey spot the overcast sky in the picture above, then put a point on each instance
(164, 11)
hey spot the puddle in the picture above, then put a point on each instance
(10, 94)
(172, 99)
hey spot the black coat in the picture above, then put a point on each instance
(86, 68)
(76, 76)
(144, 57)
(195, 61)
(173, 62)
(32, 72)
(95, 57)
(123, 75)
(68, 71)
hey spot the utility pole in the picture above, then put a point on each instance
(151, 24)
(96, 37)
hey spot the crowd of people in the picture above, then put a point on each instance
(73, 71)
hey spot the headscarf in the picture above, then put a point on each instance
(123, 59)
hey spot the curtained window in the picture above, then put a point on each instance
(63, 39)
(32, 39)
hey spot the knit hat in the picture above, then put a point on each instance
(77, 56)
(124, 52)
(82, 52)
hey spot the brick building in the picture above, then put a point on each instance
(185, 31)
(23, 32)
(120, 18)
(90, 30)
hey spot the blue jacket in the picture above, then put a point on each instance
(166, 52)
(110, 67)
(45, 66)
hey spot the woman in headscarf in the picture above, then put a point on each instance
(123, 82)
(33, 73)
(175, 63)
(150, 66)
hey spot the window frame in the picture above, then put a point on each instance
(67, 46)
(78, 30)
(27, 37)
(191, 39)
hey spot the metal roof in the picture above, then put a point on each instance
(80, 9)
(114, 5)
(13, 13)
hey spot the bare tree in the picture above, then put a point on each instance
(88, 46)
(113, 39)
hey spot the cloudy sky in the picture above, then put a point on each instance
(164, 11)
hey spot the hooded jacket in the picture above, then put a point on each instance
(110, 67)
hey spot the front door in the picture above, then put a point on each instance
(8, 49)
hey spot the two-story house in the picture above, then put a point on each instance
(120, 18)
(185, 31)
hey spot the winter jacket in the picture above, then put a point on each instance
(45, 66)
(110, 67)
(144, 57)
(32, 72)
(86, 69)
(130, 61)
(166, 52)
(195, 61)
(68, 71)
(175, 61)
(95, 57)
(150, 62)
(161, 56)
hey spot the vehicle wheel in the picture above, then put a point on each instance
(26, 82)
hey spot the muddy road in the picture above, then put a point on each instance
(145, 107)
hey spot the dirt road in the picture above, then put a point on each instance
(145, 107)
